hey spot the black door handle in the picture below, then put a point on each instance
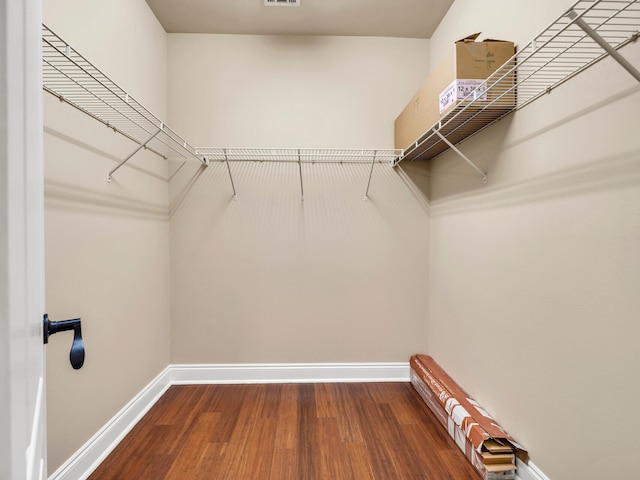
(76, 356)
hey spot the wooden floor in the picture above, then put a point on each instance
(293, 431)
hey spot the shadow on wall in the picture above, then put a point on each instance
(72, 197)
(76, 179)
(460, 176)
(416, 177)
(334, 277)
(268, 183)
(576, 115)
(185, 188)
(602, 174)
(534, 142)
(102, 153)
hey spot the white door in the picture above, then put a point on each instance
(22, 387)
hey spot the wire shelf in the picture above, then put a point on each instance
(557, 54)
(560, 52)
(302, 155)
(73, 79)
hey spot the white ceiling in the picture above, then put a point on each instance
(384, 18)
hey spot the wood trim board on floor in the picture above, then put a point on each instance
(82, 463)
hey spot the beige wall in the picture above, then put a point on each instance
(268, 278)
(296, 91)
(534, 278)
(536, 272)
(518, 22)
(122, 38)
(107, 245)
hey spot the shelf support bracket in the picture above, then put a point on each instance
(300, 170)
(233, 187)
(140, 147)
(624, 63)
(461, 155)
(373, 161)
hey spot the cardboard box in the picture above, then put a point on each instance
(473, 430)
(463, 70)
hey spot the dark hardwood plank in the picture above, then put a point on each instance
(350, 432)
(359, 431)
(285, 454)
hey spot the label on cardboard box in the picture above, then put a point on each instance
(458, 89)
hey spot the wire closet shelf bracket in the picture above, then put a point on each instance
(73, 79)
(582, 36)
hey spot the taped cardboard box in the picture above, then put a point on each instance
(459, 73)
(489, 448)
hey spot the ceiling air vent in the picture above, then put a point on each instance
(282, 3)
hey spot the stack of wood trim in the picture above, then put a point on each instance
(491, 450)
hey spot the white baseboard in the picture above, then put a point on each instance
(290, 373)
(529, 471)
(81, 464)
